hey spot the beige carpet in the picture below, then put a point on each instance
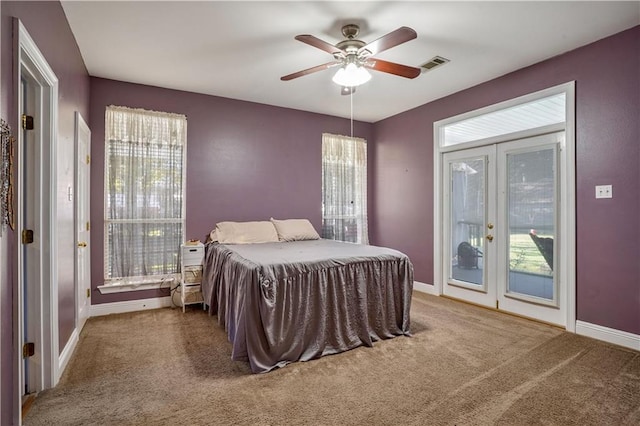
(464, 365)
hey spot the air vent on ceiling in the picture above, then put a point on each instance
(436, 61)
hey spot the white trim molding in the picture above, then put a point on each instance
(567, 252)
(124, 286)
(30, 64)
(609, 335)
(66, 353)
(425, 288)
(130, 306)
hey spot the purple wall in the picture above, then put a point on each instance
(248, 161)
(245, 161)
(47, 25)
(608, 152)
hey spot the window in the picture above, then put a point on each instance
(344, 188)
(144, 194)
(525, 115)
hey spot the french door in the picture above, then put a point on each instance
(501, 227)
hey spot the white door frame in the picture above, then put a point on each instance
(31, 64)
(566, 257)
(82, 254)
(4, 270)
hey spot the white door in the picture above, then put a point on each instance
(31, 238)
(469, 210)
(83, 227)
(502, 231)
(529, 193)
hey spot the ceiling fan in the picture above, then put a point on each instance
(353, 56)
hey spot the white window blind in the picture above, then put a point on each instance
(144, 194)
(529, 115)
(344, 189)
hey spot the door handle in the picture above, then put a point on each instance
(490, 225)
(82, 244)
(489, 237)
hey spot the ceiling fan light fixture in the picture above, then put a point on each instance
(351, 75)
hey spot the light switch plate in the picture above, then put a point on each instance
(604, 191)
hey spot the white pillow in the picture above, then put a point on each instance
(295, 230)
(213, 236)
(246, 232)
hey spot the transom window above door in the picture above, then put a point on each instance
(535, 114)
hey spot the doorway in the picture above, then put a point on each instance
(504, 225)
(501, 227)
(36, 304)
(30, 241)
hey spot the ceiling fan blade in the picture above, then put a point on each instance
(394, 38)
(320, 44)
(311, 70)
(392, 68)
(345, 90)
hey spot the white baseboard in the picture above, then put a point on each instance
(130, 306)
(425, 288)
(610, 335)
(66, 353)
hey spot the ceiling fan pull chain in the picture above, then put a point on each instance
(351, 102)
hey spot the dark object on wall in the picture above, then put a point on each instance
(545, 245)
(468, 255)
(6, 176)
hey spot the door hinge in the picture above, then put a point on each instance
(497, 304)
(27, 236)
(88, 226)
(88, 293)
(28, 349)
(27, 122)
(88, 159)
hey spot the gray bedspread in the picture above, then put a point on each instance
(295, 301)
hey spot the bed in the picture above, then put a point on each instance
(287, 301)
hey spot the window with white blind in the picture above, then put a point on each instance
(344, 188)
(144, 195)
(496, 122)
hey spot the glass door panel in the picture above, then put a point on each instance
(531, 231)
(467, 210)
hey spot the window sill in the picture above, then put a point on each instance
(121, 286)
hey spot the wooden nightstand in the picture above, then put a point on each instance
(191, 258)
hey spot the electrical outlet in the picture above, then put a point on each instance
(604, 191)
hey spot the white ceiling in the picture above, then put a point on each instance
(241, 49)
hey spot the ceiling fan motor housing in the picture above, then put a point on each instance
(351, 44)
(350, 30)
